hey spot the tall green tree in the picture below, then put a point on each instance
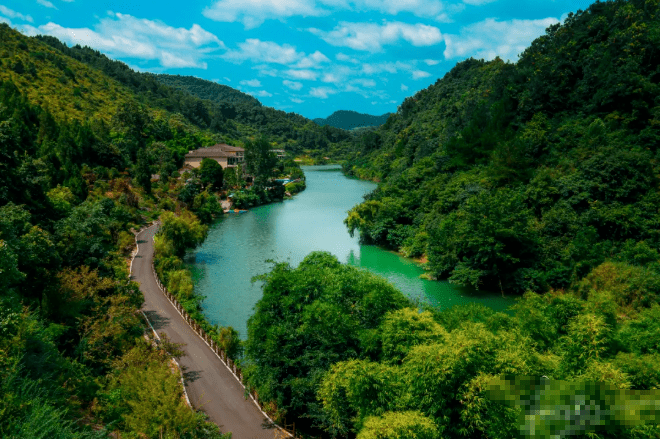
(143, 171)
(211, 173)
(260, 161)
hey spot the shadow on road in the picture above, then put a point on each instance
(190, 376)
(157, 321)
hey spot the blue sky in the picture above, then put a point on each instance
(304, 56)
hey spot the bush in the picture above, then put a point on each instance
(295, 187)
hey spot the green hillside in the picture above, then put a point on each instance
(204, 89)
(289, 131)
(529, 175)
(349, 120)
(538, 179)
(68, 88)
(78, 151)
(208, 106)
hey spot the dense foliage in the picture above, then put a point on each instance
(74, 362)
(343, 354)
(535, 176)
(526, 176)
(52, 69)
(207, 90)
(289, 131)
(309, 318)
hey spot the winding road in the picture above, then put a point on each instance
(209, 383)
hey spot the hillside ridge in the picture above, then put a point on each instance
(349, 119)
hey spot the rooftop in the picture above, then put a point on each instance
(218, 150)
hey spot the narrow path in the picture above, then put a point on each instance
(210, 385)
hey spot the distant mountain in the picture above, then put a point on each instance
(349, 120)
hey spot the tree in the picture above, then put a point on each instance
(310, 317)
(211, 173)
(132, 120)
(84, 236)
(490, 238)
(260, 161)
(143, 172)
(399, 425)
(183, 232)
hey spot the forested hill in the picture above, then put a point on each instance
(82, 83)
(348, 120)
(206, 89)
(292, 131)
(528, 175)
(77, 153)
(535, 177)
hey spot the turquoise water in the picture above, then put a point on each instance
(238, 248)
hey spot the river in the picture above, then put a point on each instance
(238, 247)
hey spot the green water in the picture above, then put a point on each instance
(238, 247)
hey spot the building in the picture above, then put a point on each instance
(227, 156)
(279, 153)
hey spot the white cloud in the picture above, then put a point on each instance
(346, 58)
(260, 94)
(404, 87)
(331, 77)
(252, 13)
(46, 3)
(364, 82)
(266, 70)
(338, 73)
(264, 51)
(388, 67)
(372, 36)
(312, 61)
(268, 52)
(297, 100)
(122, 35)
(292, 84)
(490, 38)
(13, 14)
(418, 74)
(309, 75)
(322, 92)
(432, 62)
(478, 2)
(251, 83)
(227, 79)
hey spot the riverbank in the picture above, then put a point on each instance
(238, 248)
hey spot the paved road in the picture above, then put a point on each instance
(210, 385)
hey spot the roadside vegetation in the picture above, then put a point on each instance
(72, 344)
(75, 181)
